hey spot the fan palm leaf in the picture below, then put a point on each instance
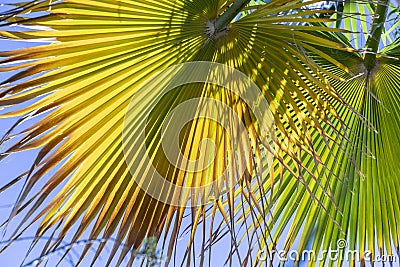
(101, 54)
(362, 226)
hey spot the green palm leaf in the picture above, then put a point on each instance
(366, 199)
(102, 53)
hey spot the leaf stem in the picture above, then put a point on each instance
(373, 41)
(230, 14)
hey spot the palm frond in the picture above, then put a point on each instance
(102, 54)
(363, 220)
